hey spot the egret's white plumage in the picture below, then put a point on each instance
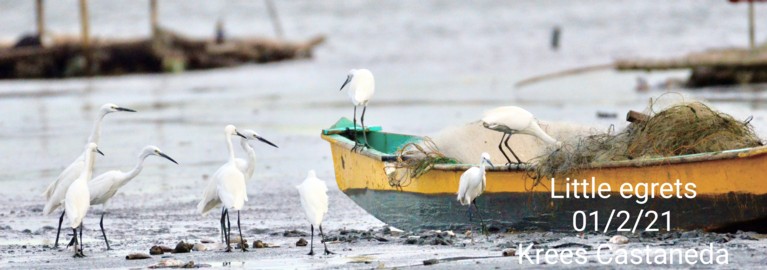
(473, 181)
(56, 191)
(511, 120)
(361, 86)
(314, 198)
(104, 186)
(228, 183)
(77, 198)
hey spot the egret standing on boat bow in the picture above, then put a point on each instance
(104, 186)
(361, 89)
(227, 187)
(511, 120)
(77, 199)
(472, 184)
(314, 200)
(56, 191)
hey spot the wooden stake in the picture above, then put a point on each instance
(153, 18)
(85, 34)
(636, 117)
(275, 19)
(39, 12)
(751, 24)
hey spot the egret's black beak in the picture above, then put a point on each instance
(266, 142)
(490, 163)
(167, 157)
(125, 109)
(348, 79)
(240, 134)
(99, 151)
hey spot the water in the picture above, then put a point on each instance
(436, 64)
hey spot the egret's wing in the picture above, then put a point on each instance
(71, 172)
(230, 184)
(242, 165)
(76, 203)
(314, 199)
(104, 186)
(467, 185)
(209, 198)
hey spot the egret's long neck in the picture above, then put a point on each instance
(90, 158)
(229, 146)
(538, 132)
(136, 170)
(251, 157)
(96, 132)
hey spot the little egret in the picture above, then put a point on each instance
(77, 199)
(227, 187)
(248, 166)
(511, 120)
(104, 186)
(362, 86)
(472, 185)
(314, 200)
(57, 190)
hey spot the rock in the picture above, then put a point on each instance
(449, 233)
(137, 256)
(259, 244)
(509, 252)
(167, 263)
(395, 232)
(430, 262)
(619, 239)
(412, 240)
(156, 250)
(182, 247)
(166, 249)
(294, 233)
(243, 245)
(27, 231)
(386, 230)
(199, 247)
(236, 240)
(301, 242)
(382, 239)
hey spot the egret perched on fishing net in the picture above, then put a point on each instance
(511, 120)
(56, 191)
(361, 87)
(105, 186)
(472, 184)
(77, 199)
(314, 201)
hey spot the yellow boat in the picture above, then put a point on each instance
(730, 191)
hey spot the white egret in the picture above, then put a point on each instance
(511, 120)
(104, 186)
(314, 200)
(472, 184)
(56, 191)
(361, 89)
(77, 199)
(227, 187)
(249, 166)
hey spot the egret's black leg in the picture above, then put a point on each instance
(58, 231)
(71, 242)
(322, 236)
(228, 232)
(223, 226)
(500, 147)
(354, 131)
(364, 132)
(74, 235)
(242, 241)
(481, 221)
(102, 230)
(512, 151)
(81, 240)
(311, 242)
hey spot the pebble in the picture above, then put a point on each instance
(166, 249)
(294, 233)
(509, 252)
(156, 250)
(259, 244)
(199, 247)
(170, 263)
(137, 256)
(301, 242)
(430, 262)
(619, 239)
(182, 247)
(411, 240)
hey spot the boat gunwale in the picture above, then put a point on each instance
(683, 159)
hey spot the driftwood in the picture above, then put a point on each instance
(169, 52)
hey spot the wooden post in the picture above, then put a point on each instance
(636, 117)
(275, 19)
(153, 18)
(751, 24)
(85, 34)
(39, 11)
